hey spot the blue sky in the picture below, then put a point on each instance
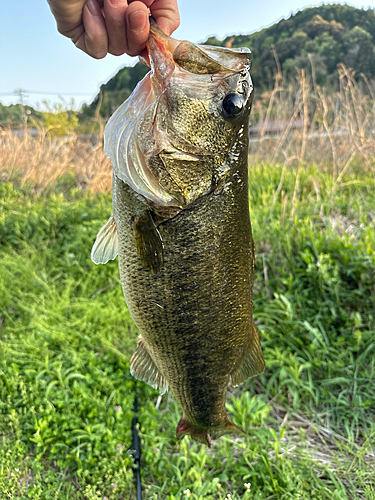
(35, 57)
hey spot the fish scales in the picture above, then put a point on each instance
(187, 260)
(182, 311)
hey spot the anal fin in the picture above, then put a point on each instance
(143, 367)
(105, 247)
(253, 363)
(148, 242)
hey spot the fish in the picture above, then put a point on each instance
(181, 227)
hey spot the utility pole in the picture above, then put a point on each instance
(21, 93)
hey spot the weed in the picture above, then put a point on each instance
(66, 339)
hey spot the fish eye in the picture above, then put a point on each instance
(232, 105)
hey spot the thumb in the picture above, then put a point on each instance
(166, 14)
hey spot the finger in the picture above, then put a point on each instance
(94, 38)
(137, 27)
(165, 13)
(68, 15)
(114, 11)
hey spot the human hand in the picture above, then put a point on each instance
(114, 26)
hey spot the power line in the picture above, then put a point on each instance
(42, 92)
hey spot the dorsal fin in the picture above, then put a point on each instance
(105, 247)
(253, 362)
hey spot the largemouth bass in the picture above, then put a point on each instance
(181, 227)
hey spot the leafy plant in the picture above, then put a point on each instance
(59, 120)
(66, 339)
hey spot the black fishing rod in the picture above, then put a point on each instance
(136, 447)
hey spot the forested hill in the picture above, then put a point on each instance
(116, 90)
(330, 33)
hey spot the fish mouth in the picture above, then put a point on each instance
(142, 133)
(165, 52)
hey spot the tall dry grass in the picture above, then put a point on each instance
(331, 129)
(295, 124)
(39, 162)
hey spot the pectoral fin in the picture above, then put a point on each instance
(253, 363)
(143, 367)
(105, 247)
(148, 242)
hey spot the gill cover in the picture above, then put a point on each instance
(146, 139)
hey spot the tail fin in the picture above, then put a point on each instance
(205, 434)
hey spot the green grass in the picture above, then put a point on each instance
(66, 338)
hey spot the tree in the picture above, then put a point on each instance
(58, 120)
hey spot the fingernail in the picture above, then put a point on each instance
(117, 3)
(138, 20)
(93, 7)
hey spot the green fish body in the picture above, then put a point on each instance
(181, 227)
